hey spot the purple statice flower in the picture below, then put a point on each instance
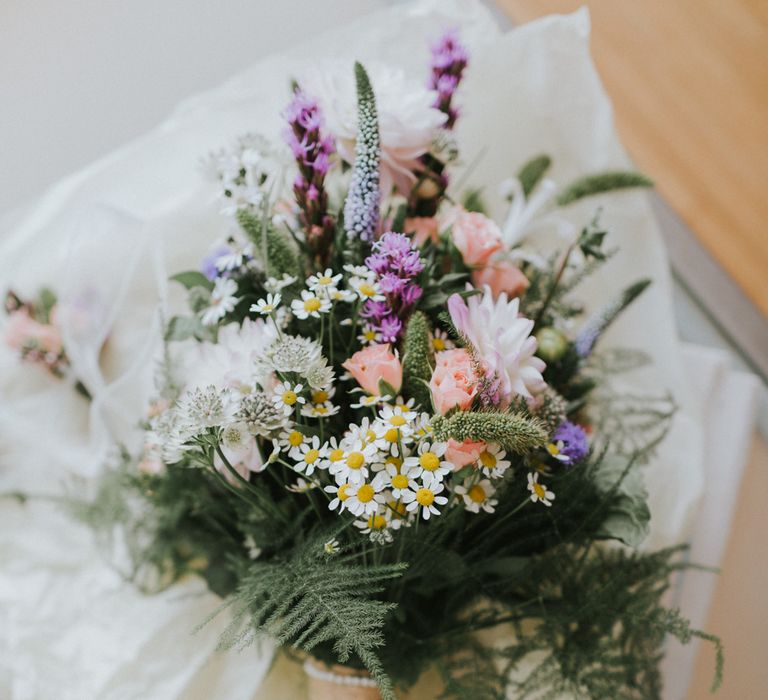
(396, 265)
(208, 265)
(449, 59)
(569, 443)
(312, 150)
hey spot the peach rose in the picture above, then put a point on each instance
(423, 228)
(475, 236)
(22, 329)
(460, 454)
(374, 363)
(454, 382)
(502, 276)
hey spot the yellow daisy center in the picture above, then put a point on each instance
(377, 522)
(477, 493)
(325, 280)
(290, 398)
(391, 435)
(295, 438)
(396, 461)
(342, 492)
(425, 497)
(312, 456)
(399, 481)
(397, 420)
(320, 410)
(365, 493)
(429, 461)
(438, 344)
(539, 490)
(369, 335)
(320, 396)
(311, 305)
(370, 436)
(336, 455)
(367, 290)
(553, 449)
(487, 459)
(355, 460)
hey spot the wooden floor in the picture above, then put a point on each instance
(689, 82)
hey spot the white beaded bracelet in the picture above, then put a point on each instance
(315, 672)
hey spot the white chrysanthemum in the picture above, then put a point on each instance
(230, 362)
(408, 122)
(502, 339)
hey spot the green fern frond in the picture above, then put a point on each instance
(602, 182)
(514, 431)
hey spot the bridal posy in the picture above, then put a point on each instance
(380, 428)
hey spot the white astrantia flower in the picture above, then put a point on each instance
(310, 456)
(310, 305)
(223, 301)
(539, 492)
(324, 282)
(408, 121)
(492, 461)
(260, 415)
(502, 339)
(266, 306)
(478, 496)
(235, 436)
(428, 463)
(208, 407)
(424, 497)
(171, 432)
(363, 500)
(286, 396)
(296, 353)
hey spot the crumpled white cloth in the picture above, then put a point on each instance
(107, 238)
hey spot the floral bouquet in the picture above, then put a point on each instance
(383, 431)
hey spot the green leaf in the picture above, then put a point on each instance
(628, 513)
(192, 278)
(602, 182)
(473, 201)
(386, 389)
(532, 172)
(183, 328)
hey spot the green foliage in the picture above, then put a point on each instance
(191, 279)
(531, 173)
(309, 599)
(473, 201)
(514, 431)
(272, 247)
(417, 369)
(602, 182)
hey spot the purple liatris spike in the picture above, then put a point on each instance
(312, 150)
(449, 59)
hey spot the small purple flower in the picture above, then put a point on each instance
(569, 443)
(208, 264)
(390, 328)
(449, 59)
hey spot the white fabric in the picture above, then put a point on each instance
(107, 238)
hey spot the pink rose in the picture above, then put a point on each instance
(475, 236)
(501, 276)
(23, 329)
(374, 363)
(423, 228)
(454, 382)
(460, 454)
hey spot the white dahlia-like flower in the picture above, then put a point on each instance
(502, 339)
(408, 122)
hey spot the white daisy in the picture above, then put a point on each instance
(275, 285)
(376, 527)
(319, 410)
(366, 432)
(234, 258)
(310, 456)
(363, 499)
(346, 295)
(355, 466)
(223, 301)
(334, 453)
(286, 396)
(291, 440)
(332, 547)
(429, 463)
(393, 478)
(366, 288)
(339, 490)
(424, 497)
(369, 335)
(368, 400)
(399, 416)
(309, 305)
(441, 341)
(478, 496)
(324, 282)
(492, 461)
(538, 491)
(360, 271)
(302, 486)
(266, 306)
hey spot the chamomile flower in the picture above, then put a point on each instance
(332, 547)
(366, 432)
(319, 410)
(287, 395)
(422, 426)
(400, 416)
(309, 305)
(234, 258)
(359, 271)
(274, 285)
(362, 499)
(369, 400)
(441, 341)
(324, 282)
(376, 527)
(424, 497)
(492, 461)
(397, 480)
(291, 440)
(267, 306)
(302, 486)
(355, 466)
(223, 301)
(334, 453)
(310, 456)
(428, 463)
(366, 289)
(322, 395)
(346, 295)
(369, 335)
(339, 491)
(539, 492)
(478, 496)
